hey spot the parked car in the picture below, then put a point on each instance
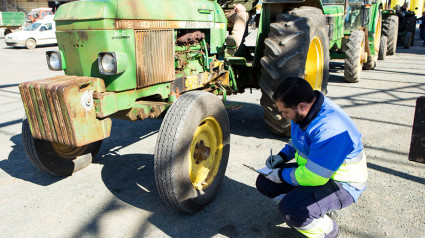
(39, 33)
(38, 14)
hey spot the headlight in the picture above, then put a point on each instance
(55, 60)
(112, 63)
(108, 63)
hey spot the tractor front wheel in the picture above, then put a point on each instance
(297, 46)
(192, 151)
(55, 158)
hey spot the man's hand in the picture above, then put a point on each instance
(274, 161)
(239, 8)
(274, 176)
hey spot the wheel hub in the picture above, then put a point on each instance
(201, 152)
(206, 152)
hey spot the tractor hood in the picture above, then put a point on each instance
(183, 10)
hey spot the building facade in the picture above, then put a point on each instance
(27, 5)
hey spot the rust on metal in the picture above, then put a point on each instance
(148, 24)
(201, 152)
(154, 57)
(191, 37)
(223, 79)
(61, 109)
(143, 110)
(105, 103)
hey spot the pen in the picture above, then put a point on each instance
(271, 155)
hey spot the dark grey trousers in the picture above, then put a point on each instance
(303, 204)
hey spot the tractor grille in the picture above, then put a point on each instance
(61, 109)
(154, 56)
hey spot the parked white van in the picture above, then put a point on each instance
(41, 32)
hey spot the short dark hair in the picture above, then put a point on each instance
(292, 91)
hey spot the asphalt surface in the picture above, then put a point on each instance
(116, 195)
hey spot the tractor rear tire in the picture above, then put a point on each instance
(297, 46)
(192, 151)
(382, 48)
(390, 30)
(54, 158)
(407, 40)
(353, 63)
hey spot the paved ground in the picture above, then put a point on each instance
(116, 195)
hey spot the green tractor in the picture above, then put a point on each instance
(354, 34)
(140, 59)
(406, 28)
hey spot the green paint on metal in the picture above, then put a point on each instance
(103, 24)
(232, 79)
(217, 39)
(81, 49)
(189, 10)
(12, 19)
(106, 104)
(238, 61)
(374, 13)
(127, 99)
(87, 10)
(262, 32)
(335, 55)
(336, 12)
(206, 63)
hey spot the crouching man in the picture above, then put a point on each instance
(330, 170)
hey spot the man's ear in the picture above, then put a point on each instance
(302, 106)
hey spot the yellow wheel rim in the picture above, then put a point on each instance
(378, 34)
(315, 64)
(68, 152)
(206, 151)
(363, 54)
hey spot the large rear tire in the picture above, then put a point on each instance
(390, 30)
(192, 151)
(353, 62)
(297, 46)
(55, 158)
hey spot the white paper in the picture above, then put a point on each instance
(266, 170)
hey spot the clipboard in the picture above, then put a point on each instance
(263, 171)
